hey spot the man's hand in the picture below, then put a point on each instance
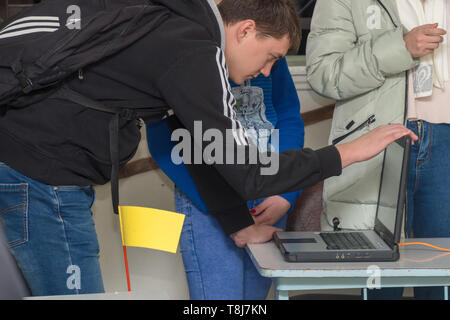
(256, 233)
(372, 143)
(270, 210)
(424, 39)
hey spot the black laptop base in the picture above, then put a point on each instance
(362, 255)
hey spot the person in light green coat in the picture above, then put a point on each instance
(356, 55)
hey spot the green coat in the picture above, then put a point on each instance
(356, 55)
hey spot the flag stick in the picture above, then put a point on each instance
(126, 267)
(125, 257)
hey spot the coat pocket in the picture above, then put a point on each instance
(359, 127)
(14, 212)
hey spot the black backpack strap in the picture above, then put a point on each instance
(114, 152)
(68, 94)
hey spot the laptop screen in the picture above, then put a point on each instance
(392, 191)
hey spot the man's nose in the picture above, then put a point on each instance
(266, 70)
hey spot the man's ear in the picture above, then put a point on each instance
(245, 29)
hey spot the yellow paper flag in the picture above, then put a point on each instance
(150, 228)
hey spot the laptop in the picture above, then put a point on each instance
(378, 244)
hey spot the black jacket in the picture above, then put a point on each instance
(179, 66)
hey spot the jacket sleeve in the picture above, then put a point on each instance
(342, 66)
(222, 201)
(196, 88)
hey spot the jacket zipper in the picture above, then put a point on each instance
(360, 127)
(387, 11)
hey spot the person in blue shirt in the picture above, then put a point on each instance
(215, 267)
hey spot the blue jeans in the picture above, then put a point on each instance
(51, 234)
(216, 269)
(428, 195)
(429, 189)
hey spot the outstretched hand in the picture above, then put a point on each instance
(372, 143)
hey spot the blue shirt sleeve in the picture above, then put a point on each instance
(289, 122)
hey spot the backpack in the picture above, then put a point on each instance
(55, 39)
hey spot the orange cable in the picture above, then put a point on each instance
(422, 244)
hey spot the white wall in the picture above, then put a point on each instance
(154, 274)
(316, 136)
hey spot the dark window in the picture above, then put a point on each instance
(9, 8)
(305, 9)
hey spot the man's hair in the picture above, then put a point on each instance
(274, 18)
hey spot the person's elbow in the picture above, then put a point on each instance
(322, 85)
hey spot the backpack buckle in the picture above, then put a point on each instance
(168, 114)
(25, 82)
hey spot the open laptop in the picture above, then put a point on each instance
(379, 244)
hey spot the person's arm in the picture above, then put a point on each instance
(289, 125)
(196, 88)
(289, 122)
(361, 149)
(339, 64)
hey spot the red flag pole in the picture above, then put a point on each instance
(125, 257)
(126, 267)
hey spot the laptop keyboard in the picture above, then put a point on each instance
(346, 240)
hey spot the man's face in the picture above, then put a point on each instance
(248, 53)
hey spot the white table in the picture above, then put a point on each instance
(418, 266)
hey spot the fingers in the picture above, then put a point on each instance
(434, 31)
(427, 26)
(259, 208)
(435, 38)
(394, 132)
(429, 45)
(260, 219)
(254, 234)
(424, 39)
(266, 217)
(372, 143)
(431, 29)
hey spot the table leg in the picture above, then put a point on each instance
(281, 295)
(445, 293)
(365, 293)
